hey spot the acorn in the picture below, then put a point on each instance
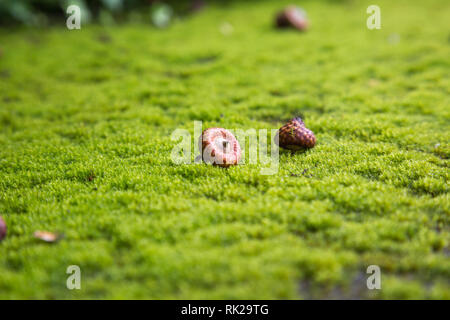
(293, 17)
(220, 147)
(2, 229)
(295, 136)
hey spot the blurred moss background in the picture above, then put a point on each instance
(46, 12)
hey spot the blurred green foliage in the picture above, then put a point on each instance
(43, 12)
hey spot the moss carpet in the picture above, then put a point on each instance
(85, 124)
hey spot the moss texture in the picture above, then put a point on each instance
(85, 124)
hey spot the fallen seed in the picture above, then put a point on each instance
(219, 147)
(3, 229)
(46, 236)
(293, 17)
(295, 136)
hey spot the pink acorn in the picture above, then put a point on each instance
(220, 147)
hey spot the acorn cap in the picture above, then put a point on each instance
(295, 136)
(219, 147)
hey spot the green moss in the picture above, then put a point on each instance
(85, 129)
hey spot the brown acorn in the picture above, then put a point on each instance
(295, 136)
(2, 229)
(292, 16)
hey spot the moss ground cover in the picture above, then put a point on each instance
(85, 124)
